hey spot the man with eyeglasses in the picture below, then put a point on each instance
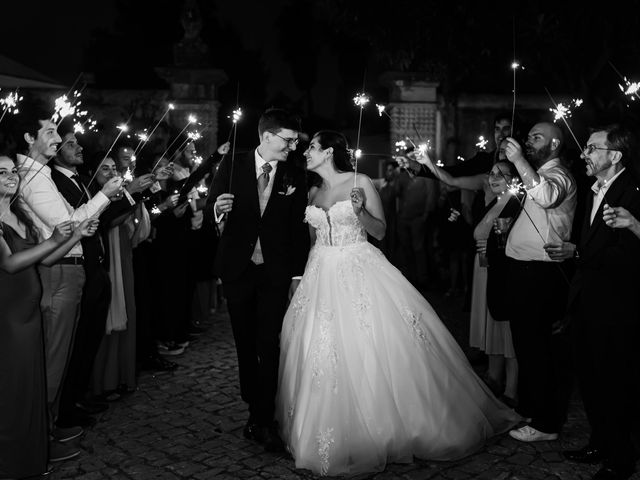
(264, 244)
(538, 285)
(604, 305)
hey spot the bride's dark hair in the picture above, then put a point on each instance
(341, 152)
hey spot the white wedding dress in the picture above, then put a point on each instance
(368, 372)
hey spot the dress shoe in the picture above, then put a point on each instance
(62, 434)
(270, 439)
(586, 454)
(92, 408)
(59, 452)
(611, 473)
(76, 419)
(530, 434)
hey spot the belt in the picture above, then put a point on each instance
(70, 261)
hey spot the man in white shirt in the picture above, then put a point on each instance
(62, 283)
(604, 305)
(538, 284)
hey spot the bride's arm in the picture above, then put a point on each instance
(368, 207)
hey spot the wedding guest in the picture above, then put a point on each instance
(489, 329)
(24, 438)
(114, 370)
(604, 304)
(75, 407)
(416, 202)
(537, 282)
(62, 282)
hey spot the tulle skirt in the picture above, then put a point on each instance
(370, 375)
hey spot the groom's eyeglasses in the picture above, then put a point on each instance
(290, 141)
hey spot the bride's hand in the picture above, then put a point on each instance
(357, 200)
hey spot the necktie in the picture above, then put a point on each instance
(263, 179)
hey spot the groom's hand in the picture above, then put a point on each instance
(224, 203)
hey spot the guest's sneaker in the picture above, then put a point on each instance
(62, 434)
(59, 452)
(530, 434)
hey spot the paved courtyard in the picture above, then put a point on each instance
(187, 424)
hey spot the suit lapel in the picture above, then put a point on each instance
(277, 185)
(246, 182)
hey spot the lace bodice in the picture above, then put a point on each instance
(337, 227)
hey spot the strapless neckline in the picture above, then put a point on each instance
(329, 209)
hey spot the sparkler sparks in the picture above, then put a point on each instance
(193, 136)
(10, 103)
(155, 210)
(128, 176)
(381, 109)
(237, 115)
(401, 146)
(630, 88)
(197, 160)
(439, 164)
(361, 100)
(482, 143)
(563, 111)
(202, 189)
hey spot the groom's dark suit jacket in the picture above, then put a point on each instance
(604, 286)
(284, 237)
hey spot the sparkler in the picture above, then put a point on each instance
(128, 176)
(237, 115)
(482, 143)
(10, 104)
(155, 210)
(191, 119)
(629, 88)
(360, 100)
(563, 117)
(146, 138)
(565, 111)
(514, 66)
(439, 164)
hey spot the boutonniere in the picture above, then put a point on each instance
(290, 190)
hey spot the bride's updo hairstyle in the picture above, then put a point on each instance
(341, 152)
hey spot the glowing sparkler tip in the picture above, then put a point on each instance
(439, 164)
(358, 153)
(192, 119)
(202, 189)
(361, 99)
(123, 127)
(423, 148)
(401, 145)
(172, 106)
(381, 109)
(514, 65)
(78, 128)
(197, 160)
(155, 210)
(482, 143)
(237, 115)
(143, 137)
(128, 176)
(193, 136)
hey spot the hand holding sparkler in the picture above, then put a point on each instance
(513, 151)
(164, 173)
(113, 187)
(357, 200)
(619, 217)
(62, 231)
(139, 184)
(224, 148)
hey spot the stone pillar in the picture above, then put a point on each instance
(194, 91)
(413, 108)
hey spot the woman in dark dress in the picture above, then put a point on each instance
(23, 399)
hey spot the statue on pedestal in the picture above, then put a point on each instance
(191, 51)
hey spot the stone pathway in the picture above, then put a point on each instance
(188, 425)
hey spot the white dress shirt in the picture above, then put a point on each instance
(259, 161)
(551, 204)
(45, 204)
(599, 192)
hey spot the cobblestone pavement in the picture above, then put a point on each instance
(188, 425)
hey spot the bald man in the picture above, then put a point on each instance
(538, 285)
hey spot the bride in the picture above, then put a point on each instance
(368, 372)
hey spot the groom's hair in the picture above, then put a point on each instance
(275, 119)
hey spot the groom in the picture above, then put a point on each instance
(261, 198)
